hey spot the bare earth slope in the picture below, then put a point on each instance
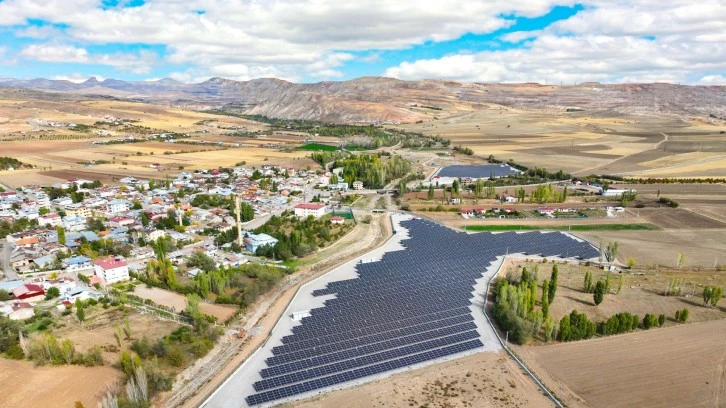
(374, 99)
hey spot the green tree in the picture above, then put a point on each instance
(682, 315)
(247, 212)
(145, 219)
(80, 311)
(649, 320)
(611, 251)
(587, 284)
(489, 190)
(43, 211)
(716, 295)
(430, 194)
(61, 235)
(599, 293)
(52, 292)
(202, 261)
(549, 328)
(553, 284)
(707, 290)
(607, 282)
(4, 295)
(195, 312)
(661, 320)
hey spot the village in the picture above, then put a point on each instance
(69, 241)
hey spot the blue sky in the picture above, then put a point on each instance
(306, 41)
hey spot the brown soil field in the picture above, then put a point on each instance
(480, 380)
(715, 212)
(583, 142)
(27, 386)
(703, 247)
(679, 366)
(679, 218)
(178, 302)
(641, 292)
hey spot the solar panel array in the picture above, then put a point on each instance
(477, 171)
(412, 306)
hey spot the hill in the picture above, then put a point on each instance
(376, 99)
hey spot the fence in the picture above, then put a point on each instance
(506, 347)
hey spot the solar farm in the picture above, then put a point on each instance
(417, 300)
(477, 171)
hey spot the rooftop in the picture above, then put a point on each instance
(110, 263)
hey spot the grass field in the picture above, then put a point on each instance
(318, 147)
(576, 227)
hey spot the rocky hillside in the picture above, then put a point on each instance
(374, 99)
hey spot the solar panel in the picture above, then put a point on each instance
(410, 307)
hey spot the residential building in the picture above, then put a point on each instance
(17, 310)
(63, 284)
(74, 223)
(111, 270)
(28, 291)
(78, 209)
(548, 211)
(118, 206)
(52, 220)
(306, 210)
(254, 241)
(337, 219)
(77, 262)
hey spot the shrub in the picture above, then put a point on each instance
(649, 320)
(682, 315)
(176, 357)
(619, 323)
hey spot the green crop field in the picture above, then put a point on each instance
(318, 147)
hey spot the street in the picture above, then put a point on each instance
(5, 251)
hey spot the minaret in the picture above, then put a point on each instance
(239, 224)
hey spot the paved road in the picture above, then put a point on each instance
(5, 251)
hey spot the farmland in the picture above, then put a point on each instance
(85, 384)
(587, 142)
(39, 133)
(680, 366)
(617, 370)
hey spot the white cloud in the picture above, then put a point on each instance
(613, 41)
(140, 63)
(55, 53)
(609, 40)
(39, 32)
(713, 80)
(292, 37)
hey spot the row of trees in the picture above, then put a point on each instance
(712, 295)
(545, 193)
(514, 308)
(298, 237)
(371, 169)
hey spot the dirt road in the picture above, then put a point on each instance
(199, 381)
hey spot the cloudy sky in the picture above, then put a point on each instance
(549, 41)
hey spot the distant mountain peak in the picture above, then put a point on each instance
(91, 80)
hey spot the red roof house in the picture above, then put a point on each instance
(28, 291)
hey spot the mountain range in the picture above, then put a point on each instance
(377, 99)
